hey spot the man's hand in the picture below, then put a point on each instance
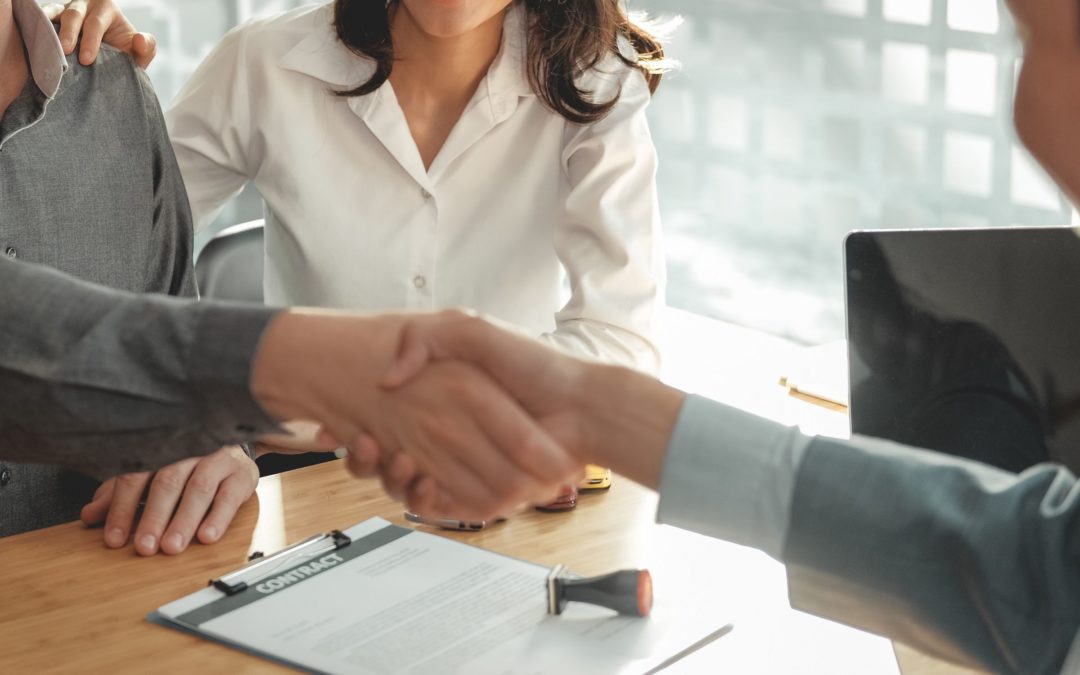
(100, 21)
(208, 490)
(1047, 104)
(602, 414)
(451, 420)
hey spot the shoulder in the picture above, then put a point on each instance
(613, 77)
(278, 33)
(113, 78)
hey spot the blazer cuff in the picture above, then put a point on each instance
(227, 338)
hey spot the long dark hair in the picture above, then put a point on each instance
(565, 39)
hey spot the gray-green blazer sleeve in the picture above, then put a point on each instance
(956, 558)
(110, 382)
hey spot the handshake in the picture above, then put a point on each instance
(457, 416)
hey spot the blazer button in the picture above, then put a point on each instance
(11, 252)
(5, 476)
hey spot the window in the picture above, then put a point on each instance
(792, 122)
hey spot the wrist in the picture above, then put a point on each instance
(307, 360)
(626, 421)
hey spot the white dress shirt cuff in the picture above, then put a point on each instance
(1072, 661)
(731, 475)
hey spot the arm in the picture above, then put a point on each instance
(172, 224)
(953, 557)
(608, 238)
(107, 382)
(209, 124)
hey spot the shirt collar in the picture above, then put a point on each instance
(47, 61)
(322, 55)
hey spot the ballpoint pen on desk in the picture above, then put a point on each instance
(451, 523)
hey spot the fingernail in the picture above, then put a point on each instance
(211, 533)
(176, 542)
(148, 542)
(114, 538)
(84, 57)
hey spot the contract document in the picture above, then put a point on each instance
(396, 600)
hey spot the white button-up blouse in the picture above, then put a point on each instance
(518, 205)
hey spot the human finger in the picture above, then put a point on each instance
(232, 494)
(399, 474)
(95, 512)
(127, 493)
(363, 457)
(456, 464)
(93, 32)
(302, 436)
(422, 497)
(71, 23)
(206, 481)
(166, 488)
(144, 49)
(413, 355)
(523, 444)
(449, 334)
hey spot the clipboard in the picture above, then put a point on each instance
(378, 598)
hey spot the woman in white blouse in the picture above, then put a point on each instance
(435, 153)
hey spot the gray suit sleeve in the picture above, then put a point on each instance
(956, 558)
(109, 382)
(173, 270)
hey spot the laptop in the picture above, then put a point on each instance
(967, 341)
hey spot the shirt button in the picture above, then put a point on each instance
(11, 252)
(5, 476)
(419, 281)
(424, 193)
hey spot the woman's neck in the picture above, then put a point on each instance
(430, 70)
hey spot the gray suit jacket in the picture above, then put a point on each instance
(956, 558)
(89, 186)
(107, 382)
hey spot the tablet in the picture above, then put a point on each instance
(967, 341)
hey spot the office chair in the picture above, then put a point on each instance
(230, 267)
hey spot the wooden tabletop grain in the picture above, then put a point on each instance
(71, 605)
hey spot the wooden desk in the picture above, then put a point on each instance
(72, 605)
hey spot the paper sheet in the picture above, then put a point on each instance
(418, 603)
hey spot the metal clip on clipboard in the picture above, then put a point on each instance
(234, 582)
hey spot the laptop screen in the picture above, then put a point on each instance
(967, 341)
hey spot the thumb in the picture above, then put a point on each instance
(144, 49)
(413, 355)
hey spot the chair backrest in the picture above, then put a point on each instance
(230, 267)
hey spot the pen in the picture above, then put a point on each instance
(447, 523)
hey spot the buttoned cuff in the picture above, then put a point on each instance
(730, 475)
(227, 338)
